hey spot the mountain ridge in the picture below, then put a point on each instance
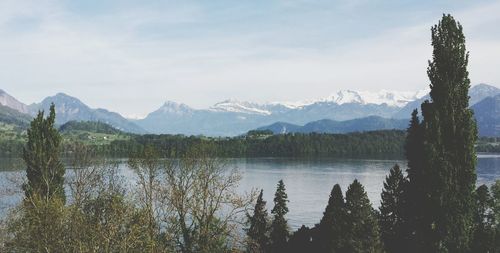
(370, 123)
(70, 108)
(233, 117)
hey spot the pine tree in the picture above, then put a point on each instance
(392, 212)
(484, 222)
(279, 226)
(449, 136)
(362, 229)
(44, 170)
(257, 232)
(330, 230)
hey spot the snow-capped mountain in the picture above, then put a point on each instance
(233, 117)
(236, 106)
(476, 94)
(391, 98)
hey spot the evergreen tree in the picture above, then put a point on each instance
(300, 241)
(329, 237)
(44, 170)
(416, 189)
(392, 212)
(484, 222)
(449, 136)
(362, 229)
(495, 194)
(257, 232)
(279, 226)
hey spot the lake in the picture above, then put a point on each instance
(308, 181)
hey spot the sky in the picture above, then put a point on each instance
(132, 56)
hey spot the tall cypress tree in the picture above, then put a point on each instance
(330, 230)
(449, 132)
(257, 232)
(392, 212)
(44, 170)
(279, 226)
(362, 230)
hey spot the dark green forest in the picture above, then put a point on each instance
(386, 143)
(373, 144)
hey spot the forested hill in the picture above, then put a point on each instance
(90, 126)
(14, 117)
(387, 143)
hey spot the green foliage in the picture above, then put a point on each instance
(301, 241)
(330, 235)
(257, 233)
(372, 144)
(14, 117)
(444, 183)
(279, 227)
(495, 194)
(416, 188)
(44, 170)
(89, 126)
(483, 239)
(39, 227)
(488, 144)
(362, 231)
(393, 216)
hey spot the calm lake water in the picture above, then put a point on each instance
(308, 182)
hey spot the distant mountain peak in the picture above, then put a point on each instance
(481, 91)
(69, 108)
(236, 106)
(11, 102)
(390, 98)
(174, 107)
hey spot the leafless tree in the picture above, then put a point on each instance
(206, 210)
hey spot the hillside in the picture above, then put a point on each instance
(69, 108)
(92, 133)
(14, 117)
(331, 126)
(89, 126)
(487, 113)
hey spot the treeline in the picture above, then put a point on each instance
(376, 143)
(488, 144)
(384, 143)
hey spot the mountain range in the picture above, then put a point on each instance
(369, 123)
(67, 109)
(343, 111)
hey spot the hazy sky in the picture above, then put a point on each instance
(131, 56)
